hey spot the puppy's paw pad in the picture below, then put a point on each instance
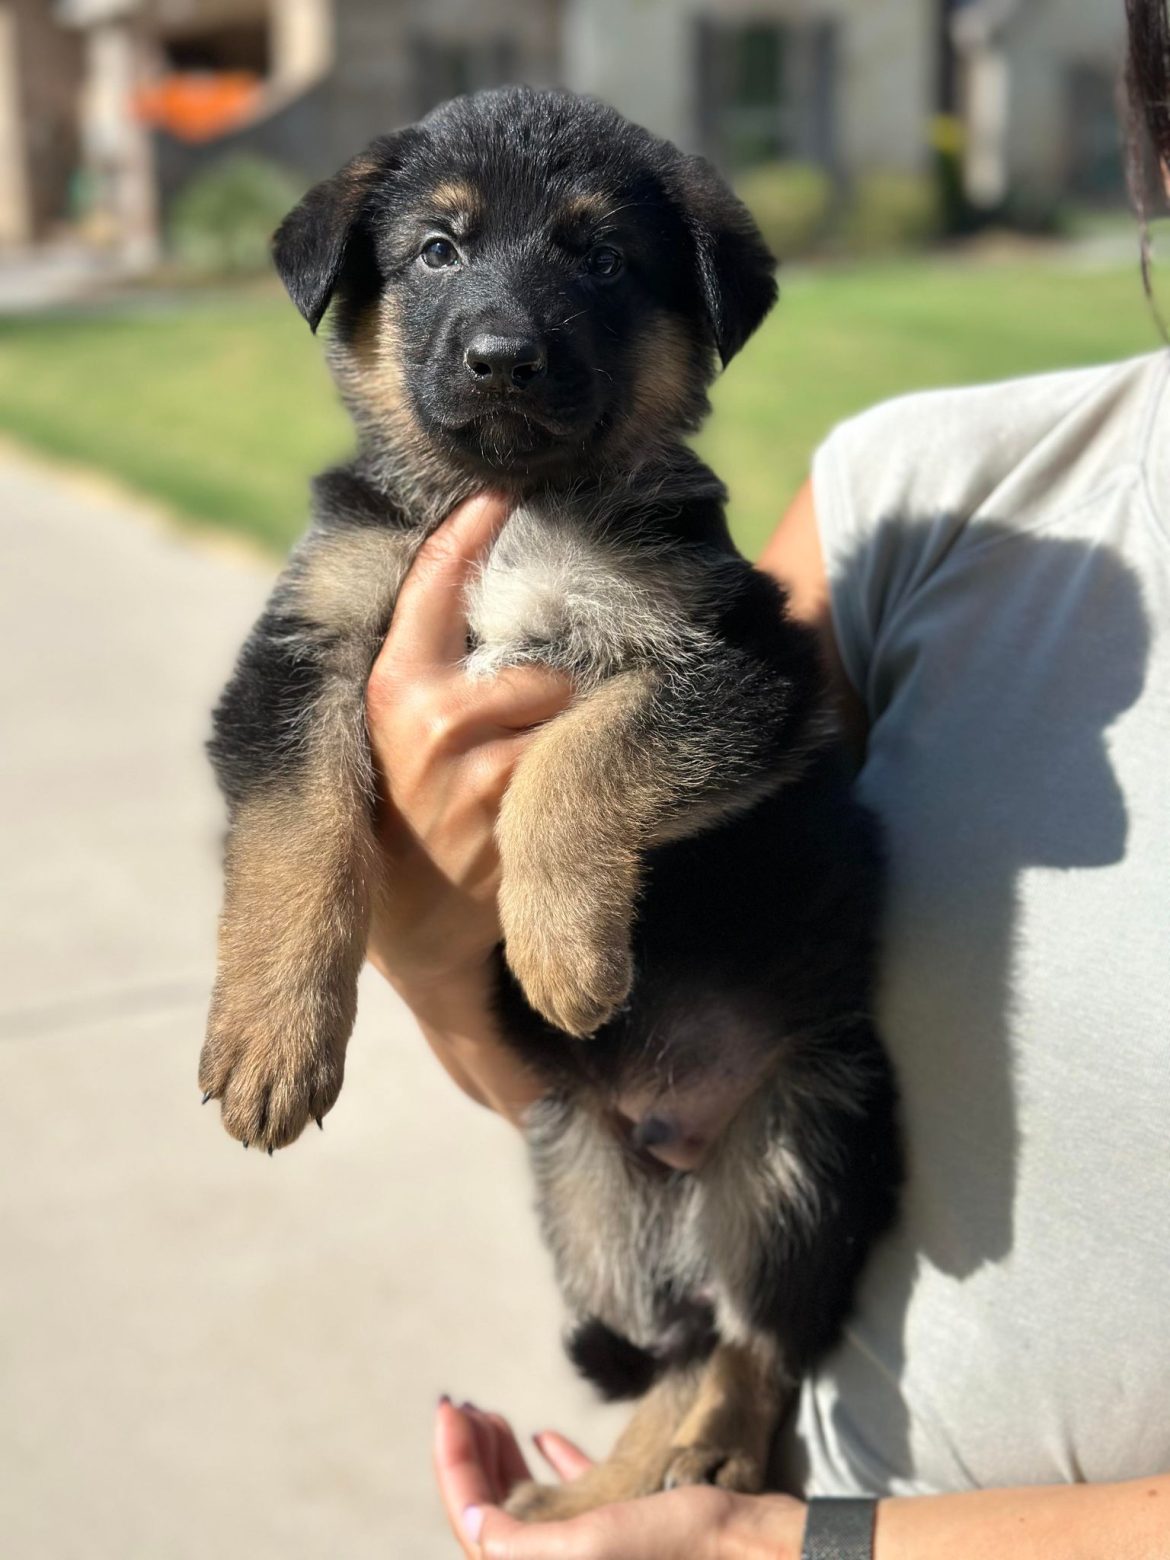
(725, 1467)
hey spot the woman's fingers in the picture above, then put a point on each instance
(566, 1460)
(464, 1482)
(513, 1469)
(430, 618)
(521, 696)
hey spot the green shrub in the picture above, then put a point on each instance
(223, 221)
(792, 202)
(888, 212)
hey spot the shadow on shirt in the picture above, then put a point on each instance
(992, 661)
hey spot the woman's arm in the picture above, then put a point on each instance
(1129, 1521)
(477, 1460)
(794, 556)
(445, 747)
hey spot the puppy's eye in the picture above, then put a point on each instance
(439, 254)
(604, 262)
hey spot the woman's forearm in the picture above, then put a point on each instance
(1129, 1521)
(457, 1020)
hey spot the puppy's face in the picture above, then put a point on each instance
(527, 286)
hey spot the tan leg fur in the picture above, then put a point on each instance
(572, 828)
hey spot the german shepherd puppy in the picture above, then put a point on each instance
(530, 294)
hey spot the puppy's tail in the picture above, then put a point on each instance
(616, 1367)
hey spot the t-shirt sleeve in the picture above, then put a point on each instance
(897, 488)
(885, 506)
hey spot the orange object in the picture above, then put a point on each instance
(198, 105)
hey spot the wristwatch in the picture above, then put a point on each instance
(839, 1528)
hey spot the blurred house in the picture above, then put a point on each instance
(1036, 84)
(374, 64)
(40, 82)
(112, 106)
(850, 84)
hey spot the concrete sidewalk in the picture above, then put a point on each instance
(207, 1352)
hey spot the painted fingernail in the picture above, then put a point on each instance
(473, 1522)
(444, 1401)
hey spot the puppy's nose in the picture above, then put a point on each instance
(504, 362)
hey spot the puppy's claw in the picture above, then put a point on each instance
(319, 1122)
(245, 1142)
(205, 1098)
(271, 1151)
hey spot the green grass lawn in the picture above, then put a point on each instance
(219, 405)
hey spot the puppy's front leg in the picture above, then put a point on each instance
(292, 756)
(292, 938)
(651, 755)
(573, 825)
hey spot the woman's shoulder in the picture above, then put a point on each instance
(1009, 446)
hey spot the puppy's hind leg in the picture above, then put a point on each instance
(636, 1466)
(727, 1433)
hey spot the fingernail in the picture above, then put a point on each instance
(468, 1408)
(473, 1522)
(444, 1401)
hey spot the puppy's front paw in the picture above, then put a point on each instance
(273, 1069)
(730, 1468)
(579, 976)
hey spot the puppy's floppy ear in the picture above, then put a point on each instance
(315, 241)
(735, 268)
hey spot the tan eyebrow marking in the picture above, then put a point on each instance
(456, 198)
(585, 208)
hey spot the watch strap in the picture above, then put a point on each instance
(839, 1528)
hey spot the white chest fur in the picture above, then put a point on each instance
(575, 595)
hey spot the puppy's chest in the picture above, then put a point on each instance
(557, 591)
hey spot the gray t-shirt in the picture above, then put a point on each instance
(1000, 569)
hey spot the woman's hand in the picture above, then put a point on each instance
(477, 1462)
(444, 747)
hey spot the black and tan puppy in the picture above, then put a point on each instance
(530, 293)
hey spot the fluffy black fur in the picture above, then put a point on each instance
(492, 228)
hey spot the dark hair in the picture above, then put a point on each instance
(1147, 80)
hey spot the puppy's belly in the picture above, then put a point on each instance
(680, 1126)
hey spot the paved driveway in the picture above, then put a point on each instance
(206, 1352)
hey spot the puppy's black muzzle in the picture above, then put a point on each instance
(505, 365)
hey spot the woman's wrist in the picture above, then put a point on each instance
(455, 1011)
(764, 1527)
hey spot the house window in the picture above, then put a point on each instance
(1095, 166)
(445, 68)
(240, 48)
(766, 91)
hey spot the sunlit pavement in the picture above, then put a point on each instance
(207, 1352)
